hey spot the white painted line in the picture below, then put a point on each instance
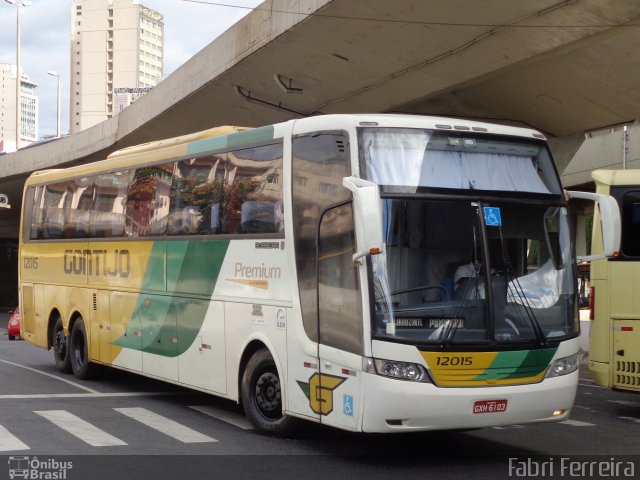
(8, 442)
(633, 419)
(234, 419)
(80, 428)
(77, 385)
(576, 423)
(165, 425)
(509, 427)
(87, 395)
(626, 403)
(592, 385)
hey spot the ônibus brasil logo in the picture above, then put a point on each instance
(37, 469)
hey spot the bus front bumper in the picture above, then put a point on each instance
(394, 405)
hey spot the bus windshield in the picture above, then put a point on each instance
(463, 271)
(448, 276)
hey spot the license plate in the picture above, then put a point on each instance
(490, 406)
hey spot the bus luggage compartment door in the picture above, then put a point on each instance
(626, 354)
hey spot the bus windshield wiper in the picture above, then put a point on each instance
(472, 284)
(516, 292)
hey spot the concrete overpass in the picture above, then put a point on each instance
(563, 67)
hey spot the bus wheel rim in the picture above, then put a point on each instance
(268, 395)
(59, 344)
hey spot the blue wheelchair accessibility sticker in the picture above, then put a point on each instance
(492, 217)
(347, 405)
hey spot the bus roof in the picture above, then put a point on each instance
(170, 142)
(242, 137)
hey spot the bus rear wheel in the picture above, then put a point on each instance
(262, 397)
(61, 347)
(79, 353)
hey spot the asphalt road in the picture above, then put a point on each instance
(131, 426)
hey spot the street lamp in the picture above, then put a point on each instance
(18, 4)
(54, 74)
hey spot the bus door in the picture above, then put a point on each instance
(340, 321)
(327, 368)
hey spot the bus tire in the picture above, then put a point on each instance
(79, 353)
(61, 347)
(261, 397)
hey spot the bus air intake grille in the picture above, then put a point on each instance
(628, 374)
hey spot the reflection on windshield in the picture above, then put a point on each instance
(448, 276)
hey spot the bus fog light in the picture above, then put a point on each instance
(401, 370)
(563, 366)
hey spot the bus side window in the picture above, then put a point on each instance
(320, 162)
(79, 211)
(630, 223)
(34, 195)
(147, 206)
(252, 193)
(339, 298)
(196, 193)
(107, 211)
(53, 210)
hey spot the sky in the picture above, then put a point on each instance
(45, 42)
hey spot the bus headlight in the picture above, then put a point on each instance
(392, 368)
(563, 366)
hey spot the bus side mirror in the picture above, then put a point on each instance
(610, 221)
(367, 211)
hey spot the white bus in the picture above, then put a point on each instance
(376, 273)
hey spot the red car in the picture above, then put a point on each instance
(13, 329)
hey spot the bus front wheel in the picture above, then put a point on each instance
(61, 347)
(262, 397)
(79, 353)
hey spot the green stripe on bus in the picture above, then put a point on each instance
(192, 271)
(518, 364)
(233, 141)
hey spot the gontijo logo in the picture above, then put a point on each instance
(97, 262)
(319, 391)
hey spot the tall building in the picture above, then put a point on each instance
(28, 109)
(116, 45)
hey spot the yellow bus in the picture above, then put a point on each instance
(376, 273)
(614, 339)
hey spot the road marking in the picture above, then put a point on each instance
(626, 403)
(9, 442)
(576, 423)
(633, 419)
(87, 395)
(508, 427)
(77, 385)
(592, 385)
(234, 419)
(80, 428)
(165, 425)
